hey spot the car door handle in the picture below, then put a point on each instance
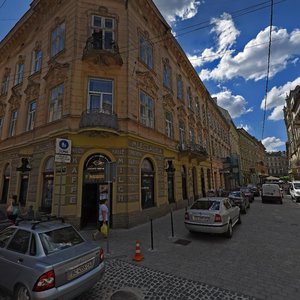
(20, 260)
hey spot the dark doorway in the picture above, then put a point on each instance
(203, 183)
(89, 214)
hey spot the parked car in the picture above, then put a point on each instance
(240, 200)
(212, 215)
(295, 190)
(247, 193)
(254, 189)
(48, 260)
(271, 192)
(4, 221)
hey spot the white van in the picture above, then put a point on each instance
(271, 192)
(295, 190)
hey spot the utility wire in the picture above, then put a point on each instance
(161, 38)
(3, 3)
(268, 70)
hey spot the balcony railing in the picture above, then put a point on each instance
(98, 119)
(192, 150)
(101, 51)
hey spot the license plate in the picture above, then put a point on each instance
(201, 218)
(81, 269)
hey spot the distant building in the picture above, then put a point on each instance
(277, 163)
(292, 123)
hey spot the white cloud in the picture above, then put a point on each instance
(174, 9)
(272, 143)
(245, 126)
(251, 63)
(276, 99)
(226, 35)
(235, 104)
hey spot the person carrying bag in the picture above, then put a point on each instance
(103, 219)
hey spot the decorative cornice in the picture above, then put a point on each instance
(168, 101)
(146, 81)
(32, 90)
(57, 71)
(15, 99)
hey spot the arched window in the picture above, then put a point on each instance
(184, 182)
(6, 178)
(48, 179)
(147, 184)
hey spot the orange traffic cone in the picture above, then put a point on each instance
(138, 256)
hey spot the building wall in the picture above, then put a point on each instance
(127, 144)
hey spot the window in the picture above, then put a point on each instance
(190, 98)
(181, 133)
(20, 241)
(19, 73)
(179, 88)
(192, 136)
(31, 115)
(169, 124)
(55, 103)
(103, 32)
(101, 95)
(167, 76)
(36, 61)
(4, 84)
(5, 184)
(197, 106)
(1, 126)
(13, 121)
(58, 39)
(48, 179)
(146, 110)
(146, 52)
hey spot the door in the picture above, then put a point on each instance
(89, 211)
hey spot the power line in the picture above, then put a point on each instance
(268, 70)
(3, 3)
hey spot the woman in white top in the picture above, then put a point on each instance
(103, 216)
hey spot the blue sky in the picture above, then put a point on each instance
(227, 43)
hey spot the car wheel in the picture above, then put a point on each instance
(239, 221)
(229, 230)
(21, 293)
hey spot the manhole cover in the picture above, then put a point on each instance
(124, 295)
(182, 242)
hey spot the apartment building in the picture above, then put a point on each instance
(277, 163)
(292, 123)
(253, 159)
(109, 81)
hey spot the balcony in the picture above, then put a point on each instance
(102, 52)
(192, 150)
(99, 121)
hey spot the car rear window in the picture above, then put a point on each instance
(59, 239)
(206, 205)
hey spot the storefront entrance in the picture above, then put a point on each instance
(94, 189)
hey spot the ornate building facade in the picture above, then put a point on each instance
(110, 80)
(292, 123)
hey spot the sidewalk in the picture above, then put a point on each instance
(121, 242)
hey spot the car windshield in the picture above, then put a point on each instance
(297, 186)
(59, 239)
(235, 194)
(206, 205)
(245, 190)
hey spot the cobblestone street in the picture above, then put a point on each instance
(139, 282)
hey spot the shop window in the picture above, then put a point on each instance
(48, 179)
(147, 184)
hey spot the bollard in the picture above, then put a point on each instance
(172, 225)
(151, 233)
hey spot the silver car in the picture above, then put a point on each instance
(48, 260)
(212, 215)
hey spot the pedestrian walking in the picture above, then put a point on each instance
(103, 219)
(13, 209)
